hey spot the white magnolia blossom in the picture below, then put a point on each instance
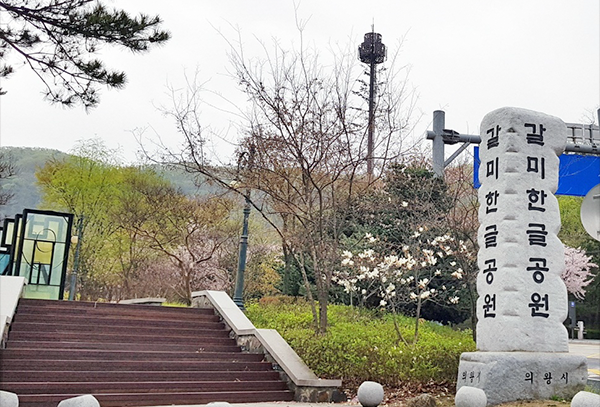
(458, 274)
(367, 254)
(367, 272)
(347, 262)
(404, 204)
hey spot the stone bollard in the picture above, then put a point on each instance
(87, 400)
(580, 330)
(370, 394)
(8, 399)
(585, 399)
(468, 396)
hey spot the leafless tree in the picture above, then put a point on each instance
(306, 126)
(7, 170)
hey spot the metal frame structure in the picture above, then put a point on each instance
(583, 139)
(39, 248)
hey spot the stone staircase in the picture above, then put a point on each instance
(130, 355)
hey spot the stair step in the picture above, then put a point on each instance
(130, 355)
(40, 305)
(159, 337)
(133, 376)
(106, 312)
(224, 345)
(140, 387)
(131, 365)
(180, 330)
(110, 355)
(108, 319)
(147, 399)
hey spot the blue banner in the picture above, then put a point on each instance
(577, 174)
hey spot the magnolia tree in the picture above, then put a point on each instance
(424, 270)
(577, 274)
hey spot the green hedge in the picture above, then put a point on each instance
(362, 344)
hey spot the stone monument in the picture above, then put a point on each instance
(522, 345)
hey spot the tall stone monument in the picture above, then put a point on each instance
(522, 345)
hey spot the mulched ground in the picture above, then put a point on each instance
(394, 396)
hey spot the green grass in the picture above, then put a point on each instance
(362, 344)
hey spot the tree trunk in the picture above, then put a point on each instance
(473, 301)
(323, 301)
(417, 316)
(309, 296)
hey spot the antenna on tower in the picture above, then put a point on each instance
(372, 52)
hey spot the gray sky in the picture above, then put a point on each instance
(467, 57)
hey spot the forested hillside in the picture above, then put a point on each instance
(26, 194)
(22, 184)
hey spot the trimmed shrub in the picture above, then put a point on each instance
(363, 345)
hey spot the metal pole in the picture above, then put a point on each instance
(239, 280)
(438, 143)
(238, 296)
(73, 287)
(371, 128)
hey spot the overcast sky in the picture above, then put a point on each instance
(467, 57)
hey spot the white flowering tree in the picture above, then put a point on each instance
(577, 274)
(423, 271)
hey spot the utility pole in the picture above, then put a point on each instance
(372, 52)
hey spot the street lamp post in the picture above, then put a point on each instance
(238, 296)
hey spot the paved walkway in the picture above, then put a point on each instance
(590, 348)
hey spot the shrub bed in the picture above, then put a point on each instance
(362, 344)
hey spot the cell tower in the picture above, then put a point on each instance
(372, 52)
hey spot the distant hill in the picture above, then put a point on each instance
(22, 185)
(27, 195)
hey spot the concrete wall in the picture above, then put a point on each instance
(11, 289)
